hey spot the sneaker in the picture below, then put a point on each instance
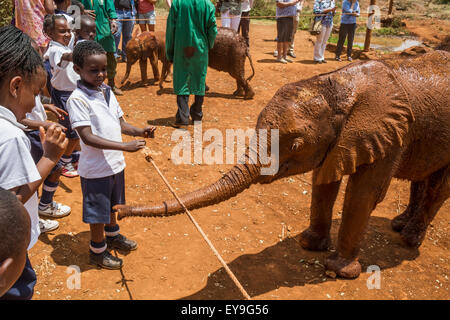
(282, 60)
(105, 260)
(323, 61)
(69, 171)
(121, 243)
(349, 59)
(48, 225)
(292, 54)
(275, 53)
(55, 210)
(288, 60)
(337, 59)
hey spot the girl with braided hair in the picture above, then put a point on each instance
(22, 76)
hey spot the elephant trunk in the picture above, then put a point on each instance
(127, 73)
(239, 178)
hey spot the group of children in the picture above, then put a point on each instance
(31, 147)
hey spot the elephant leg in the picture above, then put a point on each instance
(249, 93)
(240, 89)
(154, 63)
(365, 188)
(143, 66)
(317, 235)
(437, 191)
(416, 198)
(164, 73)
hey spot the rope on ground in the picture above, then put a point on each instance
(216, 253)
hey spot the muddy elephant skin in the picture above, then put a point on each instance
(228, 55)
(152, 46)
(372, 121)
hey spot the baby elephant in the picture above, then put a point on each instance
(228, 55)
(148, 45)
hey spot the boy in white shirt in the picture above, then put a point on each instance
(22, 76)
(64, 79)
(97, 117)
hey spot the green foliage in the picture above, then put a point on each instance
(442, 1)
(263, 8)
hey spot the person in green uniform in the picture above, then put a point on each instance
(190, 33)
(6, 12)
(105, 19)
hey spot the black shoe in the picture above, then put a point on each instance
(323, 61)
(177, 125)
(121, 243)
(105, 260)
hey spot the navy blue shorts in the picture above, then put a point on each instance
(100, 195)
(60, 98)
(36, 148)
(23, 289)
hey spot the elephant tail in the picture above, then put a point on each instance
(247, 53)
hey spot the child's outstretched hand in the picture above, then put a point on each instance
(54, 142)
(134, 145)
(148, 132)
(58, 112)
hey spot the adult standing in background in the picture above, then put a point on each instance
(146, 14)
(230, 13)
(350, 10)
(190, 33)
(245, 20)
(295, 27)
(125, 11)
(105, 20)
(29, 17)
(326, 8)
(286, 12)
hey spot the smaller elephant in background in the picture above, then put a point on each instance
(228, 54)
(152, 46)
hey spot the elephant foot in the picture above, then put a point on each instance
(249, 94)
(310, 240)
(238, 93)
(345, 268)
(400, 221)
(413, 234)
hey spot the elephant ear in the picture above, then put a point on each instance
(376, 125)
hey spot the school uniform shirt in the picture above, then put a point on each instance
(64, 78)
(17, 167)
(100, 111)
(38, 113)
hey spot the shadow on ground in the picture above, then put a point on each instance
(71, 249)
(286, 264)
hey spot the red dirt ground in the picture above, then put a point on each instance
(256, 232)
